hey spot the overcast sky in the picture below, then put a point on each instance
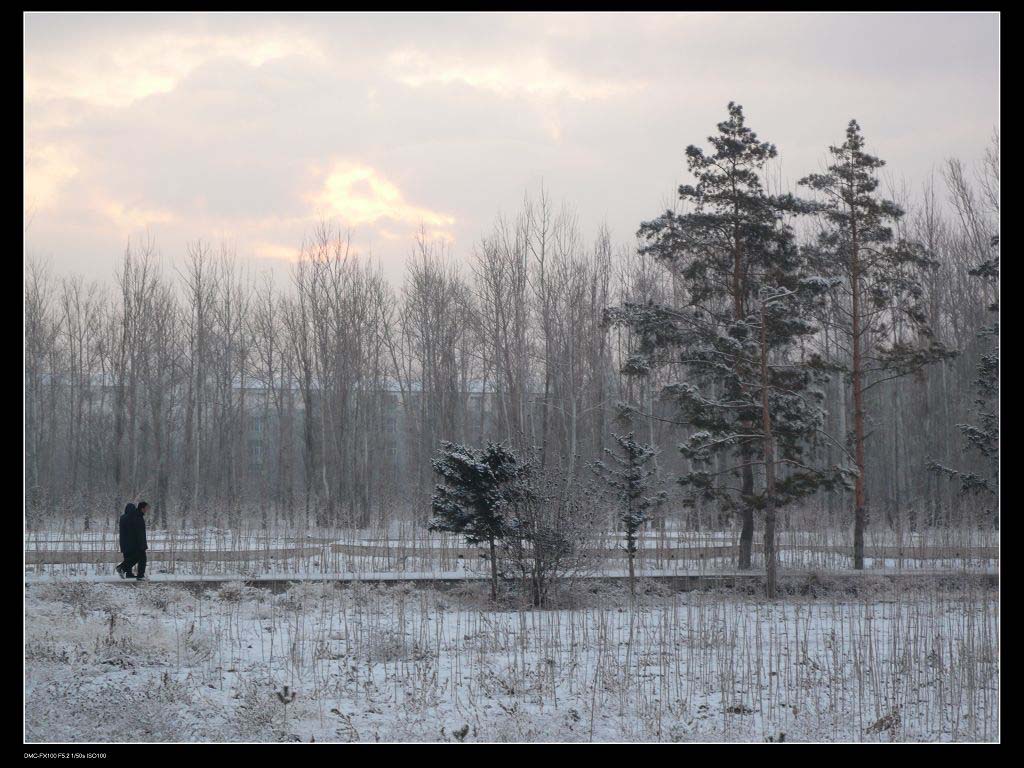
(248, 128)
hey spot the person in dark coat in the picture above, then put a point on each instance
(123, 525)
(132, 540)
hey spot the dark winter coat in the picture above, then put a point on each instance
(132, 530)
(123, 526)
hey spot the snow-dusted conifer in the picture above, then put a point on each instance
(880, 296)
(731, 249)
(629, 477)
(480, 487)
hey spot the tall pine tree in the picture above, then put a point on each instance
(880, 298)
(720, 246)
(747, 390)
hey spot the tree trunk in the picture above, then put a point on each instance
(538, 590)
(631, 555)
(738, 290)
(747, 532)
(859, 515)
(632, 575)
(494, 574)
(770, 555)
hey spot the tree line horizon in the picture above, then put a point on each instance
(829, 349)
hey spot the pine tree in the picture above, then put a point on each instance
(721, 251)
(630, 481)
(747, 388)
(791, 405)
(749, 367)
(480, 488)
(884, 321)
(983, 437)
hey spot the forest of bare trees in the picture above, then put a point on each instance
(218, 394)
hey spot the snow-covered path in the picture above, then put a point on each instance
(720, 577)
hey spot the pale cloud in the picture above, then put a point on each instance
(121, 75)
(252, 128)
(276, 251)
(48, 168)
(128, 217)
(531, 75)
(359, 195)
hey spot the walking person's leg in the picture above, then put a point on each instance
(124, 568)
(141, 561)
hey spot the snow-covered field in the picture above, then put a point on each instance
(157, 662)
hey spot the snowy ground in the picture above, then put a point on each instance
(371, 663)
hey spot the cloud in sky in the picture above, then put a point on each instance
(133, 69)
(251, 127)
(357, 196)
(48, 168)
(532, 76)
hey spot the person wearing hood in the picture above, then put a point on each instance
(132, 541)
